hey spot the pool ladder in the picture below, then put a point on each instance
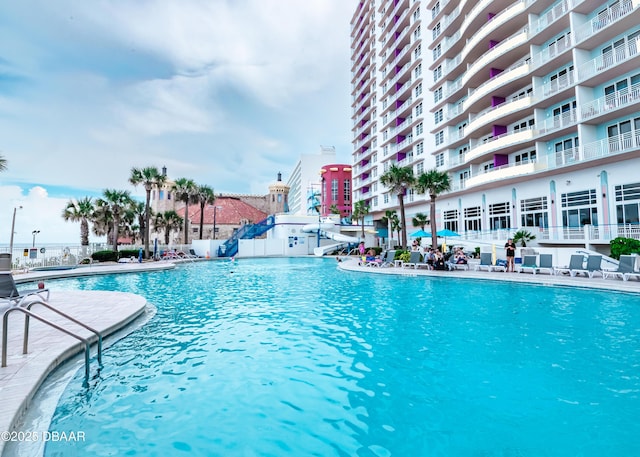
(26, 310)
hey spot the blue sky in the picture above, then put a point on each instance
(227, 93)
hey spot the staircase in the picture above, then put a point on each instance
(246, 232)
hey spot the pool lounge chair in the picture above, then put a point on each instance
(9, 291)
(389, 260)
(576, 263)
(415, 258)
(546, 264)
(594, 265)
(632, 274)
(528, 263)
(485, 261)
(625, 265)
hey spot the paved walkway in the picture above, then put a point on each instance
(351, 264)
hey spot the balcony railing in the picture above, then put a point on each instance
(613, 14)
(618, 99)
(604, 62)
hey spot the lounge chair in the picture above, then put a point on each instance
(415, 258)
(528, 263)
(634, 273)
(9, 291)
(389, 260)
(625, 265)
(546, 263)
(576, 263)
(485, 261)
(594, 265)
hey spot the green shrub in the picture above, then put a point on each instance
(624, 246)
(111, 256)
(105, 256)
(403, 255)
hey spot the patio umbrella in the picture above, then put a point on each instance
(420, 234)
(446, 232)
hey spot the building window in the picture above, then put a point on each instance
(525, 157)
(417, 71)
(437, 73)
(451, 220)
(416, 33)
(417, 52)
(534, 212)
(347, 190)
(419, 109)
(385, 198)
(473, 219)
(418, 89)
(567, 151)
(438, 116)
(334, 190)
(419, 168)
(437, 95)
(419, 148)
(440, 159)
(416, 14)
(439, 138)
(579, 208)
(500, 216)
(436, 31)
(624, 135)
(419, 129)
(628, 203)
(374, 201)
(437, 51)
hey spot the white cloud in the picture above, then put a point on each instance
(227, 93)
(39, 211)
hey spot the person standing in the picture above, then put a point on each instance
(510, 251)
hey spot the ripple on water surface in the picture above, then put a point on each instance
(291, 357)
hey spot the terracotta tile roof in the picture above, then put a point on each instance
(231, 211)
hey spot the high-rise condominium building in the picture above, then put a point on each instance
(531, 107)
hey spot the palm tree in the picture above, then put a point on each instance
(434, 183)
(167, 221)
(133, 220)
(115, 202)
(398, 180)
(80, 211)
(523, 237)
(360, 210)
(387, 219)
(205, 196)
(184, 190)
(3, 163)
(150, 177)
(333, 209)
(396, 225)
(420, 220)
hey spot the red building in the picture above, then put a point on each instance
(336, 189)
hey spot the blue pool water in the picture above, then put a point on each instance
(291, 357)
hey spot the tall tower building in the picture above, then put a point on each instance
(387, 97)
(533, 112)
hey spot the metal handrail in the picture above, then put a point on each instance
(5, 324)
(76, 321)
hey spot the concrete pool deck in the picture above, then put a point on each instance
(109, 312)
(633, 285)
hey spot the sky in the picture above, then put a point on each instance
(225, 92)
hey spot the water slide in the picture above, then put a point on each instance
(343, 240)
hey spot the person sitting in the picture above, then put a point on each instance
(460, 257)
(371, 257)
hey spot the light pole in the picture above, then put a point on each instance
(215, 210)
(13, 225)
(34, 233)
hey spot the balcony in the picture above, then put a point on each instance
(510, 75)
(628, 97)
(604, 21)
(493, 114)
(504, 172)
(503, 143)
(620, 56)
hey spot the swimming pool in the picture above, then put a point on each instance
(291, 357)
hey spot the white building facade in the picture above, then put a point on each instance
(305, 178)
(533, 111)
